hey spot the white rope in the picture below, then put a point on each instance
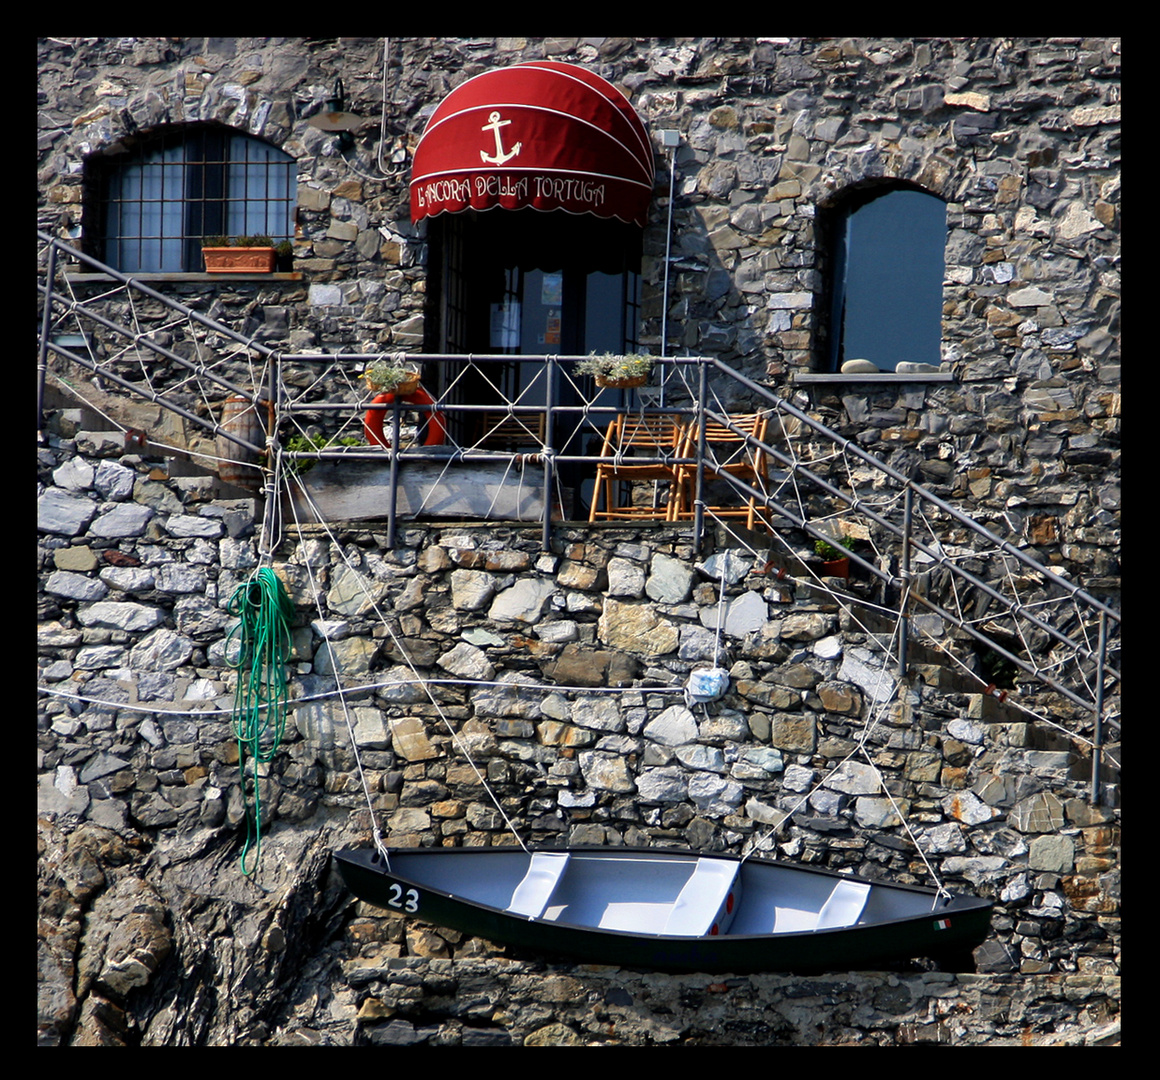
(270, 538)
(376, 832)
(414, 671)
(859, 749)
(354, 690)
(271, 535)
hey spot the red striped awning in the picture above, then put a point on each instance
(546, 135)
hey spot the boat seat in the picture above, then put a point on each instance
(708, 900)
(843, 905)
(533, 893)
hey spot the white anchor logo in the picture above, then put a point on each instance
(494, 124)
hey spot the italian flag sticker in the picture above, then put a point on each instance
(942, 924)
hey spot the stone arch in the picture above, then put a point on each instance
(934, 172)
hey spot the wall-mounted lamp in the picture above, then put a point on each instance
(334, 119)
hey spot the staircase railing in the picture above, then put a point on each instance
(984, 586)
(937, 564)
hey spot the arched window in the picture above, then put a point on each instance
(150, 208)
(886, 280)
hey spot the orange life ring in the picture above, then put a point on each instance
(373, 421)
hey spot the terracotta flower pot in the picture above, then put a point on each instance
(408, 386)
(239, 260)
(621, 384)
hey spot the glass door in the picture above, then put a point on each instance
(526, 283)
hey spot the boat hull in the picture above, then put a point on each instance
(950, 930)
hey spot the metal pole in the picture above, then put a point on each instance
(670, 139)
(392, 504)
(698, 504)
(1098, 736)
(904, 602)
(546, 533)
(42, 362)
(271, 512)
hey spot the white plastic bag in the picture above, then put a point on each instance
(707, 684)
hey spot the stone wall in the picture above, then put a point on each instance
(149, 931)
(1020, 137)
(476, 631)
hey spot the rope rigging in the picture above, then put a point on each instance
(261, 647)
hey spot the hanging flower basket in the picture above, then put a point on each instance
(619, 372)
(392, 377)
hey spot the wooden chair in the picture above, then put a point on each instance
(629, 435)
(726, 451)
(501, 430)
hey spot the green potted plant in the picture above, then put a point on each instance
(284, 256)
(390, 376)
(307, 443)
(835, 563)
(631, 369)
(238, 254)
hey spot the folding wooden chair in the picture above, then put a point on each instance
(636, 435)
(726, 451)
(501, 430)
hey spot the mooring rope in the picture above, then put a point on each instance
(419, 680)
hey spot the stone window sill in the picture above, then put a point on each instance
(806, 378)
(221, 279)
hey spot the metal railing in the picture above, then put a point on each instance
(934, 560)
(1067, 635)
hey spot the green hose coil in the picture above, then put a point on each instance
(261, 646)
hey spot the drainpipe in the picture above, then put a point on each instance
(671, 140)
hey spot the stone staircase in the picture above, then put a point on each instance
(1013, 704)
(105, 424)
